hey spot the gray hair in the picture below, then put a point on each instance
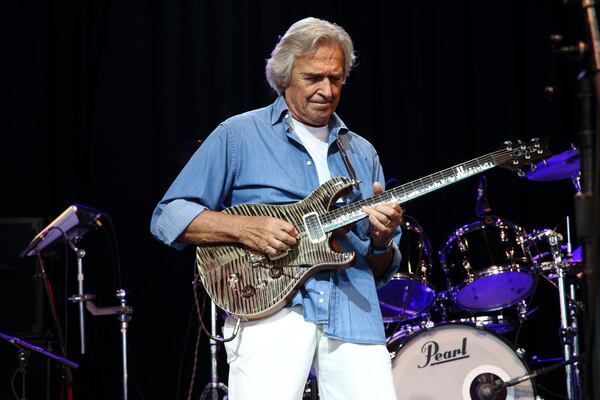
(301, 38)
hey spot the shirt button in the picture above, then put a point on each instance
(321, 300)
(321, 293)
(308, 162)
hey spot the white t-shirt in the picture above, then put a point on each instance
(314, 140)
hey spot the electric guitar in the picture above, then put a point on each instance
(252, 285)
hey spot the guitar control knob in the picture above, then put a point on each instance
(248, 291)
(276, 272)
(233, 279)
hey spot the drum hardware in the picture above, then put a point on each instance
(551, 261)
(482, 205)
(410, 293)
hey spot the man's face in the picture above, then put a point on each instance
(314, 89)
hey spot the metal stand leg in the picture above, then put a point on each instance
(23, 357)
(124, 312)
(124, 317)
(80, 254)
(578, 384)
(214, 385)
(568, 322)
(565, 333)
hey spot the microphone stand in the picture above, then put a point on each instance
(80, 298)
(124, 312)
(212, 388)
(23, 358)
(489, 391)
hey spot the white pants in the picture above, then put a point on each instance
(272, 357)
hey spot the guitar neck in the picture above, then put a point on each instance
(351, 213)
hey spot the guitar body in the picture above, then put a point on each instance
(249, 284)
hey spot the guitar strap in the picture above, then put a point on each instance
(347, 162)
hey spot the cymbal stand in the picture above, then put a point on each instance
(568, 330)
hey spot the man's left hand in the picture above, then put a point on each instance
(384, 219)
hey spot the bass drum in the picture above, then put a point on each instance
(410, 292)
(454, 361)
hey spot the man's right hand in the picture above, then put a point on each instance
(271, 236)
(268, 235)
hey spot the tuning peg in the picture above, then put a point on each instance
(520, 173)
(533, 167)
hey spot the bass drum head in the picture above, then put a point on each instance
(452, 361)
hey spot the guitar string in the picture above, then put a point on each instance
(388, 195)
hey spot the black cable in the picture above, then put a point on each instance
(183, 353)
(12, 383)
(113, 244)
(66, 290)
(199, 312)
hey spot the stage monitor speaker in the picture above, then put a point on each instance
(22, 299)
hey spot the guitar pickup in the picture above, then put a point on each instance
(313, 226)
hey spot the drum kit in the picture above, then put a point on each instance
(451, 324)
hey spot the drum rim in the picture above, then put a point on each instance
(455, 291)
(403, 275)
(480, 224)
(418, 314)
(497, 270)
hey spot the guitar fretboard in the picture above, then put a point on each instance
(348, 214)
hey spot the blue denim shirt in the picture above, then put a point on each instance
(254, 158)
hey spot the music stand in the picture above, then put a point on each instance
(71, 225)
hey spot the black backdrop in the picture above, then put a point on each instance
(98, 98)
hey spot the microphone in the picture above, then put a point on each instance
(482, 206)
(487, 391)
(499, 384)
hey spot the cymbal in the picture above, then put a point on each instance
(564, 165)
(576, 256)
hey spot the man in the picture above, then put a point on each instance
(278, 155)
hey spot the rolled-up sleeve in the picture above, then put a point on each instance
(204, 183)
(170, 219)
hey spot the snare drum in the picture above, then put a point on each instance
(453, 361)
(487, 265)
(410, 292)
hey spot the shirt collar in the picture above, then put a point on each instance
(280, 111)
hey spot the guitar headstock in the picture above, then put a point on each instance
(521, 156)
